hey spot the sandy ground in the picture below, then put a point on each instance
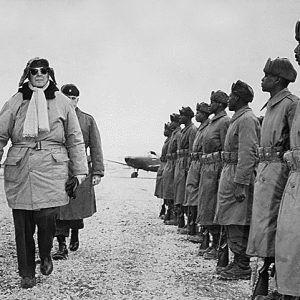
(126, 252)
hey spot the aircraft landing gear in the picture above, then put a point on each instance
(134, 174)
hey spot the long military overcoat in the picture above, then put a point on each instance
(271, 175)
(242, 140)
(85, 203)
(168, 172)
(213, 141)
(193, 176)
(287, 245)
(159, 192)
(182, 163)
(35, 174)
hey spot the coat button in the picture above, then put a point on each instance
(263, 179)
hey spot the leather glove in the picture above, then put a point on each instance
(71, 186)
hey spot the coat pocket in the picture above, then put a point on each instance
(12, 168)
(60, 165)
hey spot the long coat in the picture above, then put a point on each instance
(193, 176)
(210, 172)
(33, 178)
(182, 163)
(168, 172)
(242, 140)
(287, 245)
(159, 192)
(85, 203)
(271, 175)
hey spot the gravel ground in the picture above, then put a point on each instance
(126, 252)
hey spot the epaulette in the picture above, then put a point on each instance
(293, 97)
(84, 113)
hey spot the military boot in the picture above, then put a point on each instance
(173, 216)
(162, 212)
(240, 270)
(180, 216)
(204, 241)
(262, 284)
(62, 251)
(220, 269)
(213, 253)
(168, 213)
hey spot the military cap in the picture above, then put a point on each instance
(70, 90)
(174, 117)
(243, 90)
(203, 107)
(297, 31)
(219, 96)
(281, 67)
(36, 62)
(186, 111)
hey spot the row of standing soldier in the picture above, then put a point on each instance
(229, 177)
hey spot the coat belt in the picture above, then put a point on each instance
(171, 156)
(196, 156)
(211, 158)
(183, 153)
(39, 145)
(292, 159)
(273, 154)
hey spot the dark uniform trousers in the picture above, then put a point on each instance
(237, 238)
(25, 222)
(63, 226)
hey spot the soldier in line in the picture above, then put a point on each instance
(213, 144)
(44, 130)
(193, 177)
(185, 143)
(235, 194)
(287, 258)
(159, 179)
(168, 172)
(272, 171)
(71, 216)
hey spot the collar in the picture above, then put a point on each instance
(204, 124)
(219, 115)
(187, 127)
(277, 98)
(49, 92)
(239, 113)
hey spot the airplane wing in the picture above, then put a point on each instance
(117, 162)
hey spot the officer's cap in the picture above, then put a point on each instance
(297, 31)
(174, 117)
(70, 90)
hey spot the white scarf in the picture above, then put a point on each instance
(37, 113)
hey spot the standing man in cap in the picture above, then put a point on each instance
(45, 134)
(287, 257)
(184, 150)
(71, 215)
(235, 194)
(159, 191)
(213, 144)
(272, 171)
(168, 173)
(193, 177)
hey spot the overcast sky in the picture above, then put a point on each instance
(137, 61)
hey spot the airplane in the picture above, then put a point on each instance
(149, 163)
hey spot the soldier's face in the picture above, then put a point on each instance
(199, 116)
(268, 82)
(232, 102)
(214, 106)
(297, 54)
